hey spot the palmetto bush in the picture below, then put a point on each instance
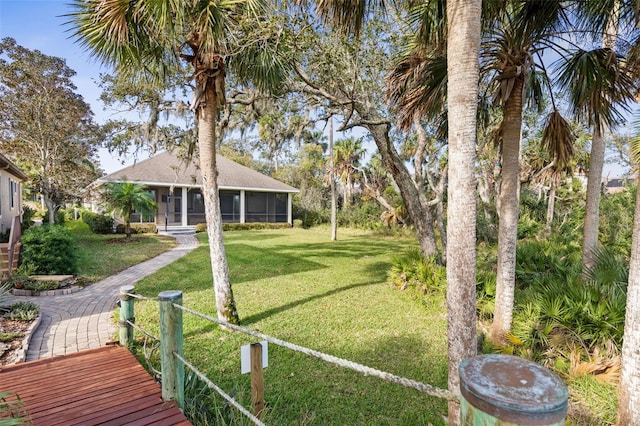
(413, 270)
(558, 312)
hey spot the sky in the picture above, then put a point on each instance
(39, 25)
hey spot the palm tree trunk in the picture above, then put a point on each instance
(551, 204)
(596, 164)
(463, 47)
(629, 386)
(508, 200)
(225, 303)
(592, 207)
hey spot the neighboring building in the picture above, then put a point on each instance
(616, 185)
(11, 180)
(245, 194)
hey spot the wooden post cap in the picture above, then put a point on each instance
(170, 295)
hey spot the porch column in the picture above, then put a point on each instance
(242, 194)
(289, 208)
(185, 203)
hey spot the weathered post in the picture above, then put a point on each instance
(170, 343)
(126, 316)
(508, 390)
(257, 383)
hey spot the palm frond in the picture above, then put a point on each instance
(558, 139)
(598, 85)
(347, 15)
(416, 87)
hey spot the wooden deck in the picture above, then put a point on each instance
(104, 386)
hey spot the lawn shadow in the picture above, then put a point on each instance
(273, 311)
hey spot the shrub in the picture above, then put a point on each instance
(27, 217)
(23, 311)
(58, 218)
(254, 225)
(138, 228)
(98, 223)
(412, 270)
(201, 227)
(50, 250)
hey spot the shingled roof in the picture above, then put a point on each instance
(167, 169)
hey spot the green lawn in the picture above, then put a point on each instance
(298, 286)
(103, 255)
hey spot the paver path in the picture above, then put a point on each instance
(84, 320)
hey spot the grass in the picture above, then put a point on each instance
(103, 255)
(299, 286)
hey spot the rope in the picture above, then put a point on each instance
(367, 371)
(222, 393)
(137, 296)
(142, 330)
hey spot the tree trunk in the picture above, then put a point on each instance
(509, 198)
(225, 303)
(332, 177)
(463, 47)
(551, 203)
(419, 212)
(592, 207)
(629, 386)
(596, 164)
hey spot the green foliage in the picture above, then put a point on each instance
(365, 215)
(311, 217)
(254, 225)
(12, 410)
(616, 220)
(27, 217)
(23, 311)
(98, 223)
(138, 228)
(38, 285)
(50, 249)
(201, 227)
(412, 270)
(126, 198)
(8, 337)
(58, 218)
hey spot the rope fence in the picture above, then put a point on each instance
(222, 393)
(367, 371)
(171, 349)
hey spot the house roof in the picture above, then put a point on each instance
(6, 164)
(167, 169)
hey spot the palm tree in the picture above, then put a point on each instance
(126, 198)
(598, 87)
(628, 389)
(347, 154)
(463, 50)
(151, 39)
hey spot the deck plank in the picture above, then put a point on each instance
(105, 386)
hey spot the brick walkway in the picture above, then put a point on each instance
(84, 320)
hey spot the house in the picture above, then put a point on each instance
(245, 194)
(11, 180)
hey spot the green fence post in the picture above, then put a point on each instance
(508, 390)
(126, 314)
(170, 343)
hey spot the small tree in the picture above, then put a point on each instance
(126, 198)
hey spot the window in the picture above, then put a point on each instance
(13, 192)
(230, 206)
(266, 207)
